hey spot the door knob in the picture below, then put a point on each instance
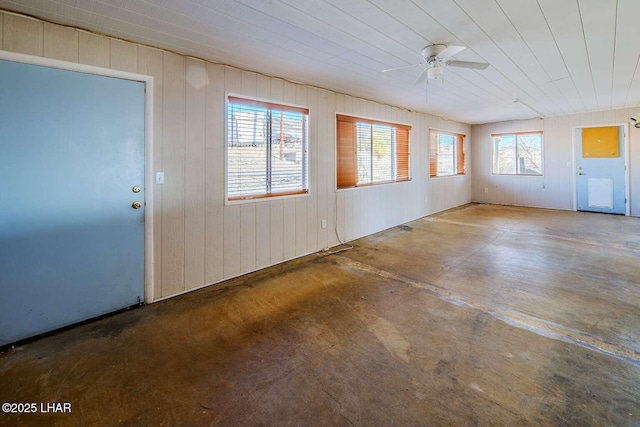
(136, 205)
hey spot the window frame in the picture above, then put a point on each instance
(402, 166)
(459, 148)
(540, 132)
(270, 104)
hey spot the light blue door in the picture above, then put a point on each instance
(71, 151)
(600, 181)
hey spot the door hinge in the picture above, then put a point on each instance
(625, 200)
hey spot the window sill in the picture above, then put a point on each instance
(375, 184)
(257, 199)
(518, 174)
(447, 176)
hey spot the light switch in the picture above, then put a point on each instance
(160, 178)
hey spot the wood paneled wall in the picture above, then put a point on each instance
(197, 239)
(555, 188)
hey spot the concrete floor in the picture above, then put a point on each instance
(481, 315)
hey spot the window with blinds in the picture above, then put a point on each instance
(267, 149)
(446, 153)
(371, 152)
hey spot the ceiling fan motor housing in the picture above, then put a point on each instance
(429, 53)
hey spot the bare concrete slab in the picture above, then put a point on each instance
(482, 315)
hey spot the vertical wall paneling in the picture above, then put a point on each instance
(290, 92)
(214, 174)
(247, 237)
(93, 50)
(123, 55)
(173, 160)
(301, 226)
(350, 228)
(196, 83)
(232, 229)
(324, 145)
(62, 43)
(277, 221)
(231, 265)
(263, 87)
(277, 90)
(263, 234)
(313, 223)
(23, 35)
(303, 214)
(289, 238)
(150, 63)
(198, 240)
(327, 101)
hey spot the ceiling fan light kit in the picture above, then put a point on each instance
(435, 72)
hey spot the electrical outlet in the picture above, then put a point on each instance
(324, 223)
(486, 189)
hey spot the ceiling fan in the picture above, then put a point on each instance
(436, 57)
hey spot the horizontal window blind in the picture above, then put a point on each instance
(266, 149)
(371, 152)
(446, 153)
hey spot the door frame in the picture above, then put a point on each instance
(148, 143)
(574, 194)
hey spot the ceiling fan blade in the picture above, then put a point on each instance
(450, 51)
(467, 64)
(400, 68)
(422, 78)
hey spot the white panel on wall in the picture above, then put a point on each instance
(327, 101)
(247, 237)
(61, 43)
(263, 234)
(173, 160)
(93, 50)
(313, 222)
(150, 63)
(196, 82)
(214, 175)
(289, 238)
(123, 56)
(23, 35)
(277, 221)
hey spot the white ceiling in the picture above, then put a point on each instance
(548, 57)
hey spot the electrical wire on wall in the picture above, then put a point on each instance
(347, 247)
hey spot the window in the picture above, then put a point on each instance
(266, 149)
(371, 152)
(446, 153)
(517, 153)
